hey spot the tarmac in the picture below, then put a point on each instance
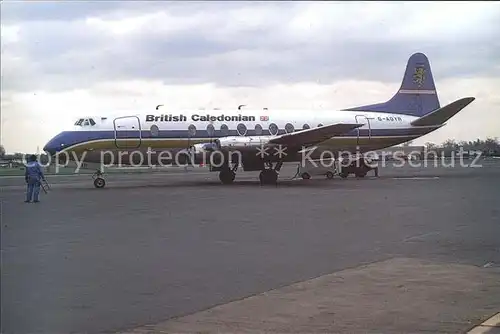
(413, 250)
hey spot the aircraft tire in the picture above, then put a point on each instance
(268, 176)
(99, 183)
(306, 176)
(329, 175)
(361, 172)
(227, 176)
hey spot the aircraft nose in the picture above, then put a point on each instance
(49, 148)
(54, 145)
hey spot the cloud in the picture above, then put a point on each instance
(79, 50)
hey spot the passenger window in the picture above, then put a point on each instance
(192, 130)
(224, 129)
(154, 130)
(210, 130)
(258, 129)
(273, 129)
(242, 129)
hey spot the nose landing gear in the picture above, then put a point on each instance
(98, 178)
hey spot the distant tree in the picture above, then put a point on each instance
(464, 145)
(450, 144)
(18, 156)
(488, 146)
(430, 146)
(491, 145)
(44, 158)
(2, 151)
(478, 145)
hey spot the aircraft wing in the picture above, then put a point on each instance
(315, 135)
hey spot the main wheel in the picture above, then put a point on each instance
(268, 176)
(306, 176)
(99, 182)
(361, 171)
(329, 175)
(227, 176)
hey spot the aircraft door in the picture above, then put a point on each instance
(364, 134)
(127, 132)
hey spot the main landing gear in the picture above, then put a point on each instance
(270, 175)
(227, 174)
(98, 178)
(267, 175)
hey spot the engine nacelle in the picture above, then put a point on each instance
(204, 147)
(240, 142)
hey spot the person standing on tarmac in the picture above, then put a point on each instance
(33, 176)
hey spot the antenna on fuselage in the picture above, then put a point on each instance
(158, 106)
(240, 106)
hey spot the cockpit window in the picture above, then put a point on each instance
(85, 122)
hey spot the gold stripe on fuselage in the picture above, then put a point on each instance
(179, 143)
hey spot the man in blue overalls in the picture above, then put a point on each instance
(33, 176)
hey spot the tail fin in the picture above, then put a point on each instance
(417, 95)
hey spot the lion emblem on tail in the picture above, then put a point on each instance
(419, 76)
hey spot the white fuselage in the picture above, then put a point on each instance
(160, 129)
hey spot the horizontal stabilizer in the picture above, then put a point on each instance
(314, 135)
(441, 115)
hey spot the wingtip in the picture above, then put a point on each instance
(469, 99)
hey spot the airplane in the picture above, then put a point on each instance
(257, 135)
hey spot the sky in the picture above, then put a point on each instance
(62, 60)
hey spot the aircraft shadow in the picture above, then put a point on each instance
(318, 183)
(217, 184)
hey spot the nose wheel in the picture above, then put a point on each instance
(99, 181)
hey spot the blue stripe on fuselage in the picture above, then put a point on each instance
(72, 138)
